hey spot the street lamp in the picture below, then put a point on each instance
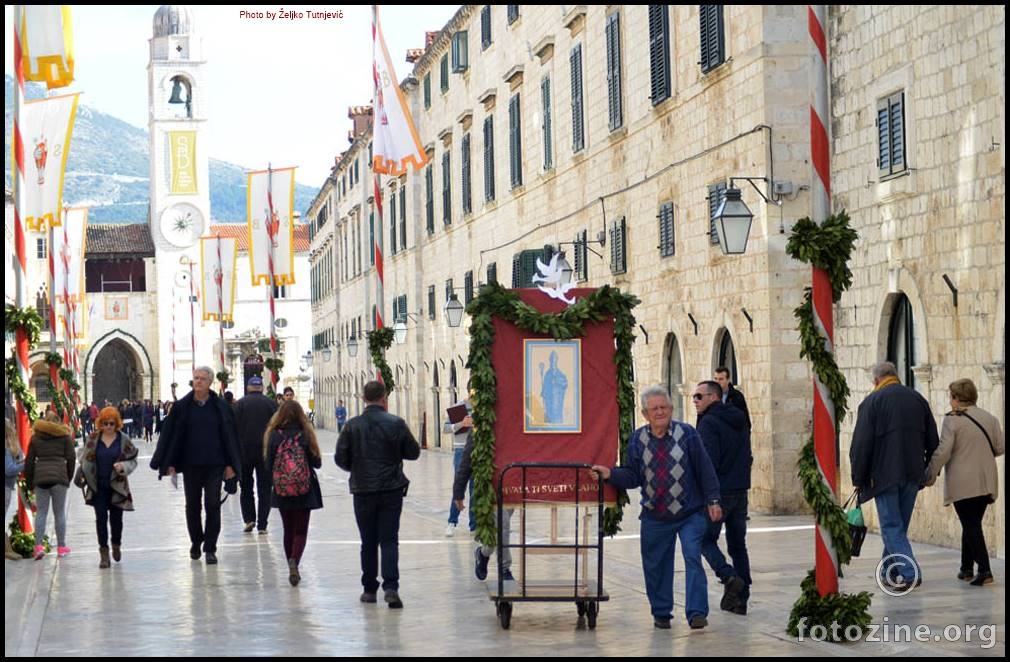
(400, 332)
(732, 222)
(565, 269)
(454, 310)
(327, 353)
(352, 346)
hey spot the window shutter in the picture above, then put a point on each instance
(492, 272)
(429, 200)
(618, 247)
(713, 42)
(431, 302)
(897, 104)
(468, 287)
(715, 193)
(485, 26)
(614, 70)
(444, 73)
(427, 90)
(513, 13)
(448, 289)
(392, 223)
(578, 133)
(460, 60)
(581, 257)
(489, 158)
(545, 94)
(371, 237)
(659, 53)
(465, 192)
(403, 219)
(446, 189)
(515, 143)
(666, 235)
(517, 268)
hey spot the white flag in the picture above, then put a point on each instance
(217, 266)
(47, 44)
(270, 204)
(68, 272)
(46, 127)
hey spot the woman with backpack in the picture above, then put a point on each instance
(292, 453)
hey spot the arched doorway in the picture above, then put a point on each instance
(901, 340)
(673, 374)
(726, 354)
(117, 374)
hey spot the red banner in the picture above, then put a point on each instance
(557, 403)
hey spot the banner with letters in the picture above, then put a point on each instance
(182, 162)
(270, 204)
(217, 269)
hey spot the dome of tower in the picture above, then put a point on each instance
(173, 19)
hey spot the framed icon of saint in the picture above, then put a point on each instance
(552, 386)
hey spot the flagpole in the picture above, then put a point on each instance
(218, 278)
(377, 191)
(20, 266)
(271, 232)
(54, 371)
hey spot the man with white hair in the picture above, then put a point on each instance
(198, 440)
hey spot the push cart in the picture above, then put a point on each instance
(585, 591)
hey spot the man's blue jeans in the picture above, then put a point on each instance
(894, 509)
(659, 545)
(457, 456)
(734, 516)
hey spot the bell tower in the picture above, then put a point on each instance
(179, 187)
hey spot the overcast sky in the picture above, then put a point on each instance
(279, 90)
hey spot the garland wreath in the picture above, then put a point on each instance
(64, 407)
(827, 247)
(28, 320)
(379, 341)
(224, 377)
(495, 301)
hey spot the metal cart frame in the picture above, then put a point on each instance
(587, 594)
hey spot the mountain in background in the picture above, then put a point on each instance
(108, 169)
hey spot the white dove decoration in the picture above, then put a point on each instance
(551, 279)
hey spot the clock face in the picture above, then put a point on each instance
(182, 224)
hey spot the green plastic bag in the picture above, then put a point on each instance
(857, 527)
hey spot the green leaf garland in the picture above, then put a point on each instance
(379, 341)
(495, 301)
(828, 247)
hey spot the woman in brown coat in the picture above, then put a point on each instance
(107, 458)
(48, 469)
(970, 440)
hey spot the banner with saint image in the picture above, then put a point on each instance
(46, 127)
(217, 270)
(270, 204)
(68, 273)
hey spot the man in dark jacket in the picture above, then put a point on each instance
(730, 394)
(252, 414)
(724, 432)
(198, 440)
(372, 447)
(892, 444)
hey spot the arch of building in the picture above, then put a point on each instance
(135, 350)
(902, 282)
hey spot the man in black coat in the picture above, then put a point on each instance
(372, 447)
(893, 441)
(730, 394)
(252, 414)
(726, 435)
(198, 441)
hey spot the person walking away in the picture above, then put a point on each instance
(48, 470)
(107, 458)
(292, 456)
(462, 432)
(970, 441)
(726, 437)
(341, 414)
(198, 440)
(372, 447)
(252, 415)
(892, 443)
(482, 554)
(14, 464)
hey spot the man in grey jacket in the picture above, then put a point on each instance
(372, 447)
(892, 444)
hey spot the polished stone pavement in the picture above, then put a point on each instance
(159, 602)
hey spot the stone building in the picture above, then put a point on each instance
(611, 132)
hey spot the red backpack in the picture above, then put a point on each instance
(292, 476)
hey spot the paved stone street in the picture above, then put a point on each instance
(158, 602)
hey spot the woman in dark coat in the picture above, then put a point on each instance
(107, 458)
(48, 469)
(290, 427)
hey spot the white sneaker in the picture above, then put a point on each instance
(450, 530)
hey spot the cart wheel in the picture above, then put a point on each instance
(592, 609)
(581, 606)
(505, 614)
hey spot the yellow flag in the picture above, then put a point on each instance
(47, 44)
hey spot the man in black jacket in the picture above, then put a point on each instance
(198, 441)
(731, 395)
(726, 436)
(252, 414)
(372, 447)
(893, 441)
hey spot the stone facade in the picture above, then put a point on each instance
(746, 116)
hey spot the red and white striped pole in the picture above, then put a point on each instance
(218, 279)
(825, 428)
(20, 263)
(377, 191)
(54, 372)
(272, 226)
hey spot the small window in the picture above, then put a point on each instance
(427, 91)
(489, 191)
(485, 27)
(444, 74)
(468, 287)
(666, 237)
(613, 37)
(515, 142)
(446, 189)
(578, 122)
(429, 201)
(513, 13)
(659, 53)
(466, 187)
(431, 302)
(618, 247)
(459, 53)
(713, 37)
(547, 131)
(891, 134)
(492, 273)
